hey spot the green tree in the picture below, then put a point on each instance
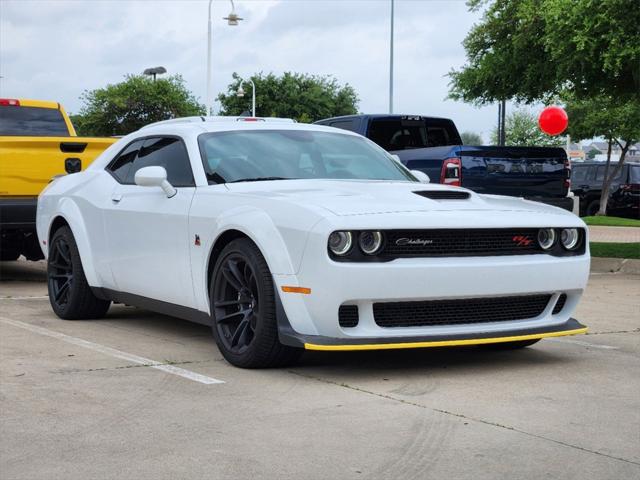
(591, 154)
(521, 129)
(127, 106)
(614, 118)
(471, 138)
(529, 50)
(305, 98)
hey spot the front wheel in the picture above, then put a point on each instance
(244, 311)
(69, 293)
(593, 208)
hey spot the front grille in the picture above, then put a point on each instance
(348, 316)
(560, 304)
(461, 242)
(443, 194)
(454, 312)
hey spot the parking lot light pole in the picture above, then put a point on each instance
(391, 61)
(232, 19)
(240, 93)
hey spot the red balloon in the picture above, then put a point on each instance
(553, 120)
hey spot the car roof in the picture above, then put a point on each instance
(29, 102)
(226, 124)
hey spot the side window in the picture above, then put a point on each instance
(166, 152)
(344, 125)
(120, 167)
(600, 173)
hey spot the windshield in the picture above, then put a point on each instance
(404, 133)
(32, 122)
(294, 154)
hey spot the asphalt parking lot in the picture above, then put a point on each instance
(140, 396)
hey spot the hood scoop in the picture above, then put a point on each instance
(443, 195)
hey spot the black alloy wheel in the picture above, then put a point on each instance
(243, 309)
(60, 272)
(236, 303)
(70, 295)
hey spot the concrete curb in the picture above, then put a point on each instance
(615, 265)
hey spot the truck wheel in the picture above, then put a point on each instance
(592, 208)
(69, 293)
(243, 309)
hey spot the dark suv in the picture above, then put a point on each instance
(433, 146)
(624, 196)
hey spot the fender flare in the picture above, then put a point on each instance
(256, 225)
(69, 211)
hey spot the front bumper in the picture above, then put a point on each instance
(311, 342)
(312, 319)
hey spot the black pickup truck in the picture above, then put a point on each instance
(433, 146)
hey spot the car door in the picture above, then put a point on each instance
(148, 233)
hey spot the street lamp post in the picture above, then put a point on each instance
(391, 61)
(232, 19)
(154, 71)
(240, 93)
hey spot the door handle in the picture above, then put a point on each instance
(116, 197)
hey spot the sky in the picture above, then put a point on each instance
(55, 49)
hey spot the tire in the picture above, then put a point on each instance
(69, 293)
(510, 345)
(592, 208)
(243, 309)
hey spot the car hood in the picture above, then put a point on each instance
(348, 197)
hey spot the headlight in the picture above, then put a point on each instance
(546, 238)
(570, 238)
(340, 243)
(370, 242)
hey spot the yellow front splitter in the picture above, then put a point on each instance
(446, 343)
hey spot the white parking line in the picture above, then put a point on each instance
(25, 298)
(196, 377)
(581, 343)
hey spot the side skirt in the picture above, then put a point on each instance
(154, 305)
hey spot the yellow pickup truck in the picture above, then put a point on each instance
(37, 142)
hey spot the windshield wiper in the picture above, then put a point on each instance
(260, 179)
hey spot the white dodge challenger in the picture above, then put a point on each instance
(285, 237)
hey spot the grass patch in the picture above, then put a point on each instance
(611, 221)
(615, 250)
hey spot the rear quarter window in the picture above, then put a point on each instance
(579, 174)
(32, 122)
(344, 125)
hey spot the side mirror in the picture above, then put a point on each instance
(155, 177)
(423, 177)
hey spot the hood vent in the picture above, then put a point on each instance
(443, 195)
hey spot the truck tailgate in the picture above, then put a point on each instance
(27, 164)
(515, 171)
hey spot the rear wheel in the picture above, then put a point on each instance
(244, 311)
(69, 293)
(510, 345)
